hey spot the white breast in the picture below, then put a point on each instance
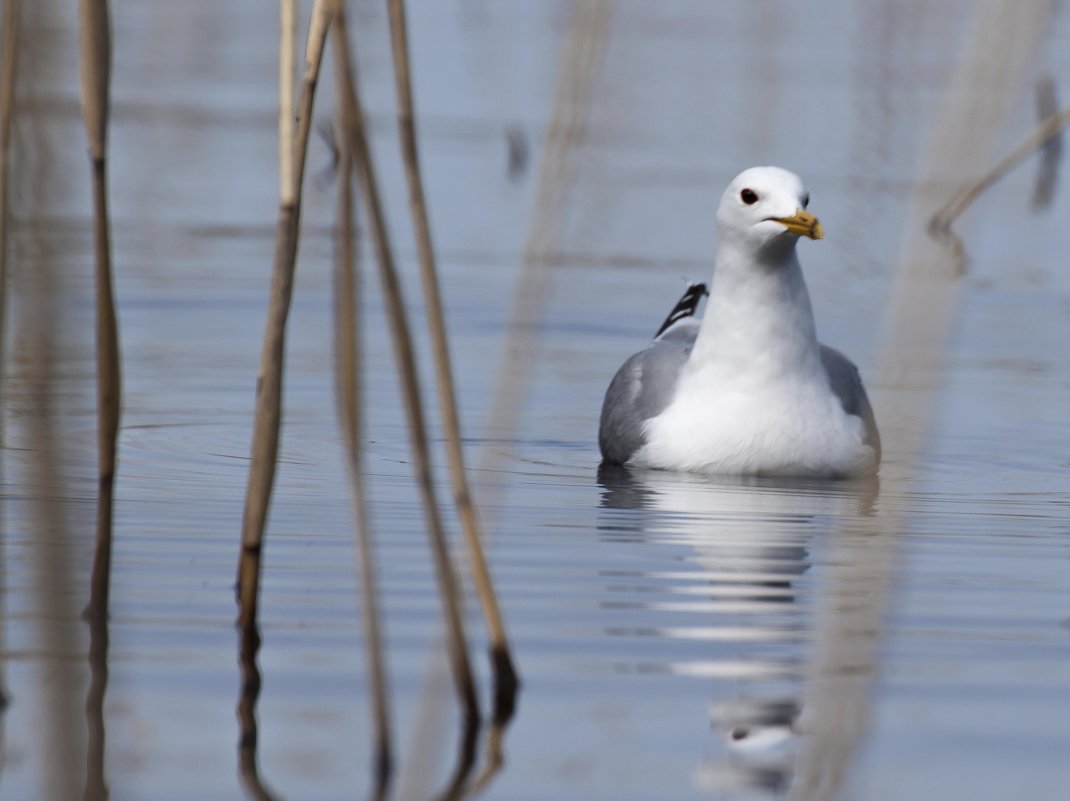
(743, 425)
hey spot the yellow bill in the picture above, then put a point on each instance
(802, 223)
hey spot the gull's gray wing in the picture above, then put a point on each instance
(847, 384)
(641, 389)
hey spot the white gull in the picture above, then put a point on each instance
(750, 390)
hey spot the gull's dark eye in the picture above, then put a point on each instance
(806, 200)
(749, 196)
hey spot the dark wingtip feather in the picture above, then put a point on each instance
(685, 307)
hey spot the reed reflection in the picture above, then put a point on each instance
(741, 593)
(248, 771)
(96, 786)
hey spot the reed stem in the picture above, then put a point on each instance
(1048, 128)
(348, 378)
(501, 659)
(579, 60)
(268, 415)
(403, 347)
(95, 71)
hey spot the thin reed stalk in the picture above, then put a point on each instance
(579, 62)
(96, 79)
(403, 347)
(268, 415)
(348, 386)
(1049, 128)
(95, 71)
(850, 625)
(505, 673)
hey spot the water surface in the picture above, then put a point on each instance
(664, 625)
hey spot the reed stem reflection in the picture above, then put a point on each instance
(248, 770)
(96, 786)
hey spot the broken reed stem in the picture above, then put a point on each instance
(402, 339)
(347, 376)
(501, 658)
(268, 415)
(95, 71)
(1049, 128)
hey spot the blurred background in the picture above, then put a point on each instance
(666, 628)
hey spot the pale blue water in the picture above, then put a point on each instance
(653, 617)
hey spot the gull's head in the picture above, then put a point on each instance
(765, 207)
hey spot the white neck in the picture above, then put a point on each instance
(758, 320)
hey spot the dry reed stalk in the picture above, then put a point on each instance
(579, 61)
(1048, 129)
(287, 47)
(95, 70)
(505, 673)
(402, 339)
(348, 386)
(268, 415)
(845, 659)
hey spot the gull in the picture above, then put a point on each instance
(749, 390)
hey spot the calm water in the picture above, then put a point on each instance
(665, 625)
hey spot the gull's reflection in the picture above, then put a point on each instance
(742, 592)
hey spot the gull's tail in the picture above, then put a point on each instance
(685, 307)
